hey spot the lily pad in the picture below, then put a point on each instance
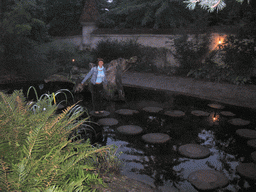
(247, 170)
(246, 133)
(108, 121)
(130, 129)
(104, 114)
(252, 143)
(227, 113)
(175, 113)
(253, 155)
(200, 113)
(207, 179)
(152, 109)
(238, 122)
(194, 151)
(156, 137)
(126, 111)
(216, 106)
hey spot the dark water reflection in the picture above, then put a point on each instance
(161, 165)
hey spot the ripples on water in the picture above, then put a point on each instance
(161, 165)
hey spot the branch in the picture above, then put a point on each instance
(216, 4)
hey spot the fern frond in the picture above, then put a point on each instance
(23, 171)
(70, 114)
(4, 183)
(5, 100)
(49, 126)
(54, 189)
(20, 105)
(31, 141)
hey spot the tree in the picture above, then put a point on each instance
(62, 16)
(210, 5)
(240, 12)
(147, 13)
(168, 14)
(21, 29)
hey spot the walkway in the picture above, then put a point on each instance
(238, 95)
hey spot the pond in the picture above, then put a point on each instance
(162, 165)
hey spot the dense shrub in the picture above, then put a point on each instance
(238, 57)
(189, 53)
(218, 73)
(83, 58)
(145, 62)
(239, 54)
(113, 49)
(49, 58)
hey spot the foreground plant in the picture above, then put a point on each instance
(35, 154)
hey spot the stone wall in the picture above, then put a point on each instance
(89, 39)
(76, 40)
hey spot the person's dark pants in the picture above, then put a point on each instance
(97, 99)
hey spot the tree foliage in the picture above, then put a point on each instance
(62, 16)
(210, 5)
(21, 28)
(169, 14)
(146, 13)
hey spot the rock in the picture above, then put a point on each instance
(194, 151)
(200, 113)
(108, 121)
(152, 109)
(238, 122)
(247, 170)
(126, 111)
(208, 179)
(59, 78)
(227, 113)
(246, 133)
(156, 138)
(216, 106)
(175, 113)
(79, 88)
(130, 129)
(252, 143)
(104, 114)
(253, 155)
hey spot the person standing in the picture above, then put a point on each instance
(98, 77)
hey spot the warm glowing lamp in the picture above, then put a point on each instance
(215, 117)
(73, 60)
(219, 41)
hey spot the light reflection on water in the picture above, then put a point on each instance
(161, 165)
